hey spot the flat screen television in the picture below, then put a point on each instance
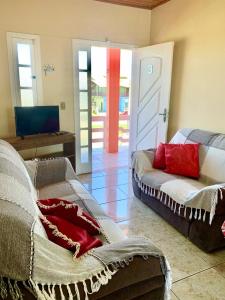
(37, 119)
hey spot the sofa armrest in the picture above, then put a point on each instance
(140, 280)
(220, 207)
(142, 161)
(50, 171)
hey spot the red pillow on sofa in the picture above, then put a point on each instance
(159, 161)
(69, 236)
(182, 159)
(69, 211)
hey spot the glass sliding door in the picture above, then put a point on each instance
(82, 100)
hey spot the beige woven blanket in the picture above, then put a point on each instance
(201, 199)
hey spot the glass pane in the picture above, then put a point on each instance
(25, 77)
(83, 60)
(24, 54)
(98, 145)
(27, 98)
(83, 119)
(84, 155)
(83, 81)
(84, 137)
(97, 135)
(83, 100)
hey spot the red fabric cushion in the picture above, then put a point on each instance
(159, 161)
(69, 211)
(69, 236)
(182, 159)
(223, 228)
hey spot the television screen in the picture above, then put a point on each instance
(37, 119)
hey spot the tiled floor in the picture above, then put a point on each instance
(105, 161)
(196, 275)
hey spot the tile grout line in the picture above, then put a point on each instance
(109, 186)
(175, 294)
(105, 187)
(194, 275)
(217, 271)
(126, 171)
(112, 201)
(205, 260)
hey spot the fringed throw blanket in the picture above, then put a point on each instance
(176, 192)
(43, 267)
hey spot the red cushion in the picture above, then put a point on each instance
(69, 211)
(223, 228)
(69, 236)
(182, 159)
(159, 161)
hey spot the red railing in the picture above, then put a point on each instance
(102, 128)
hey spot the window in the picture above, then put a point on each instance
(84, 71)
(25, 69)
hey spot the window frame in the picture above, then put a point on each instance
(12, 39)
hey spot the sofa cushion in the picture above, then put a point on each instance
(156, 178)
(212, 152)
(182, 159)
(69, 211)
(68, 235)
(213, 166)
(189, 135)
(56, 190)
(159, 161)
(73, 190)
(180, 189)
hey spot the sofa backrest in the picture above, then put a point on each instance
(16, 186)
(15, 179)
(212, 152)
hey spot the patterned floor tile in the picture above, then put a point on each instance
(207, 285)
(109, 194)
(127, 188)
(173, 296)
(122, 210)
(106, 181)
(184, 261)
(220, 269)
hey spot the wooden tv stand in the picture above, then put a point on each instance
(67, 139)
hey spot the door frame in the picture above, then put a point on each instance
(106, 44)
(84, 44)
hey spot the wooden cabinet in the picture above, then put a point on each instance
(67, 139)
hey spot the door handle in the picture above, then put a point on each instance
(164, 114)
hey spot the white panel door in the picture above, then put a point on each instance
(82, 103)
(150, 95)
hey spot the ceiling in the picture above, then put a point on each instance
(146, 4)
